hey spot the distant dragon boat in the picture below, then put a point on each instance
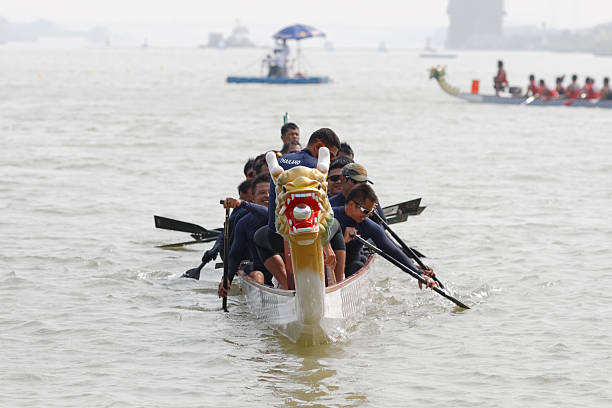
(439, 74)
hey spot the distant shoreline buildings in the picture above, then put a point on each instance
(238, 38)
(31, 32)
(475, 24)
(478, 24)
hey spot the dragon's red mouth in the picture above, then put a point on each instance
(302, 212)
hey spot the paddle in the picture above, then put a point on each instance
(407, 250)
(225, 252)
(176, 225)
(399, 212)
(529, 100)
(569, 102)
(194, 273)
(179, 244)
(408, 270)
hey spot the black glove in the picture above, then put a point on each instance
(210, 255)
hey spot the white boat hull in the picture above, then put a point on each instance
(344, 306)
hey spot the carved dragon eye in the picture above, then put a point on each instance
(284, 189)
(320, 186)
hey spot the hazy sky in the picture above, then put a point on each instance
(345, 21)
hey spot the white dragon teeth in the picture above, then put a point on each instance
(282, 210)
(314, 228)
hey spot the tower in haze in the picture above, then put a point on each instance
(474, 23)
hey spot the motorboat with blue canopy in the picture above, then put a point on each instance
(278, 72)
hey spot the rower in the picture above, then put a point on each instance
(290, 132)
(353, 174)
(242, 246)
(605, 93)
(345, 150)
(244, 190)
(573, 90)
(270, 244)
(589, 90)
(334, 175)
(291, 146)
(499, 81)
(545, 93)
(532, 88)
(212, 253)
(248, 168)
(354, 217)
(259, 165)
(561, 91)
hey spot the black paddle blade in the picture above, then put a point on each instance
(192, 274)
(180, 244)
(399, 212)
(176, 225)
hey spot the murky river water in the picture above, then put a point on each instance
(97, 140)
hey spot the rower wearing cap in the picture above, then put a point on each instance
(353, 174)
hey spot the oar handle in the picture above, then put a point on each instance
(405, 247)
(225, 252)
(408, 270)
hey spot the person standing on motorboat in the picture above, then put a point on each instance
(274, 65)
(284, 52)
(499, 81)
(278, 63)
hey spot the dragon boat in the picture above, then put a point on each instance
(300, 80)
(311, 313)
(439, 74)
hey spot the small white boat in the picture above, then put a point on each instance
(344, 306)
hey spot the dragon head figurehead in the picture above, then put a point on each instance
(304, 218)
(303, 212)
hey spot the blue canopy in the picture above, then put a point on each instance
(298, 32)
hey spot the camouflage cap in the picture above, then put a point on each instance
(356, 172)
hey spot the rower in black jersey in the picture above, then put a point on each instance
(354, 218)
(270, 244)
(242, 246)
(244, 191)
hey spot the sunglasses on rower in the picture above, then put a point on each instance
(365, 211)
(335, 177)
